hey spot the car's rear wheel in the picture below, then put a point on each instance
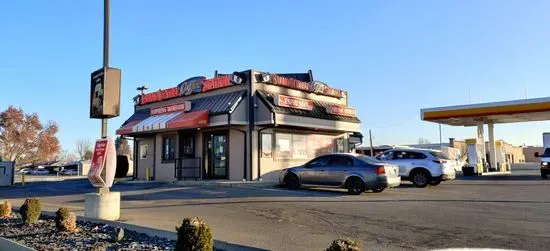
(355, 186)
(292, 181)
(544, 176)
(420, 178)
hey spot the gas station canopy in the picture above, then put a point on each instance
(523, 110)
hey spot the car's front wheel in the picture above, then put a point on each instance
(355, 186)
(420, 178)
(292, 181)
(544, 175)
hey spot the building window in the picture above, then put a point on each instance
(283, 143)
(188, 146)
(169, 148)
(143, 151)
(303, 146)
(267, 145)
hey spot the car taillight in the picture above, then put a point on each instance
(439, 161)
(380, 170)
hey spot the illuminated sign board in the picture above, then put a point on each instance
(292, 102)
(178, 107)
(341, 110)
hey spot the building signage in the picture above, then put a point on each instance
(179, 107)
(105, 93)
(292, 102)
(103, 161)
(216, 83)
(159, 95)
(289, 82)
(191, 86)
(341, 110)
(314, 86)
(322, 88)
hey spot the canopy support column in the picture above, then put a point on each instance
(481, 143)
(492, 146)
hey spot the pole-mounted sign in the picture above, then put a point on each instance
(105, 93)
(103, 161)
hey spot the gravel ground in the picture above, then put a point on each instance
(44, 236)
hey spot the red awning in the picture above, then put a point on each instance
(127, 129)
(189, 120)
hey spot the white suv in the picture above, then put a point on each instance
(421, 167)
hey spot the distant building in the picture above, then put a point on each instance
(529, 153)
(514, 154)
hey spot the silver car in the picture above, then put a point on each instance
(357, 173)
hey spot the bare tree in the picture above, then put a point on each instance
(423, 141)
(83, 146)
(24, 139)
(66, 156)
(122, 147)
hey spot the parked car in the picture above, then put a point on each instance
(40, 172)
(25, 171)
(68, 172)
(356, 173)
(420, 166)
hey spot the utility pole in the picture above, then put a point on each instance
(371, 149)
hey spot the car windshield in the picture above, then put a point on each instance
(370, 160)
(439, 155)
(546, 153)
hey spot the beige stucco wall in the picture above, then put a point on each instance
(236, 153)
(142, 164)
(164, 171)
(529, 153)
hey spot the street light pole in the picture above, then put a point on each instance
(106, 14)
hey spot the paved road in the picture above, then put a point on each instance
(498, 212)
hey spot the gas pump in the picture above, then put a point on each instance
(502, 163)
(476, 162)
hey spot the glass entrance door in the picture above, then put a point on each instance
(216, 156)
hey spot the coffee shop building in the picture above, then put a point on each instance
(246, 125)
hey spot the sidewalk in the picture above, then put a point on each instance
(206, 183)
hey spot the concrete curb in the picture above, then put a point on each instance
(9, 245)
(170, 235)
(244, 184)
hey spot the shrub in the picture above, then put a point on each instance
(344, 244)
(65, 220)
(30, 211)
(5, 209)
(194, 234)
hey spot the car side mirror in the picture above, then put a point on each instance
(537, 154)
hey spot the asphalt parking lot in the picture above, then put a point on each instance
(489, 212)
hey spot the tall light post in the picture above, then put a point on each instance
(104, 104)
(106, 15)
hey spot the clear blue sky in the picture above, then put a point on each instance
(394, 57)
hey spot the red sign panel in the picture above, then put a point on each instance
(216, 83)
(104, 157)
(289, 82)
(178, 107)
(292, 102)
(341, 110)
(159, 95)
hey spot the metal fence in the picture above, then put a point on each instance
(188, 168)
